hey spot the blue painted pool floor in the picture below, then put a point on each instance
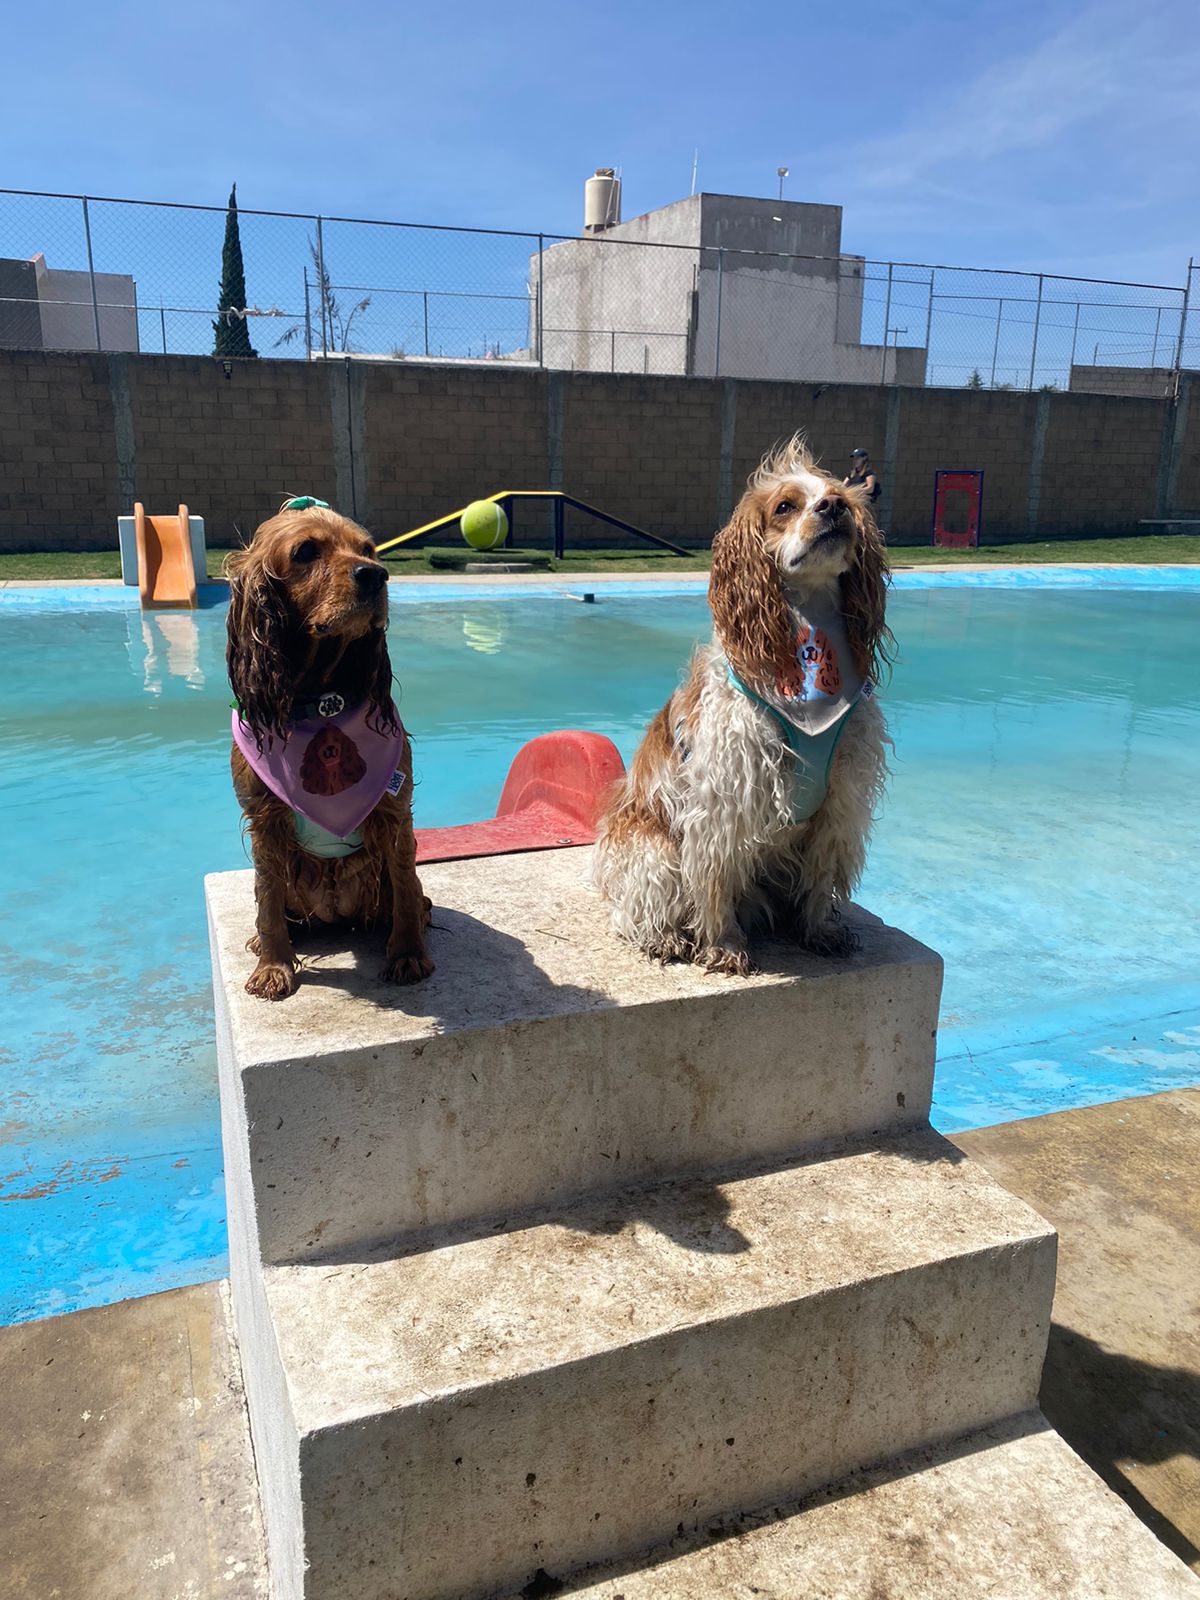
(1038, 832)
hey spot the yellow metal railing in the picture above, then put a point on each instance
(560, 499)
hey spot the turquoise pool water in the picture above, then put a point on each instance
(1039, 831)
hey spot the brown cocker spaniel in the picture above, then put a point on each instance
(321, 764)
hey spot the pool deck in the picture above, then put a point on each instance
(598, 579)
(125, 1461)
(1121, 1183)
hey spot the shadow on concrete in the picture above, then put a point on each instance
(692, 1212)
(477, 971)
(1114, 1409)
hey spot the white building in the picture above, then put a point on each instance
(42, 308)
(738, 287)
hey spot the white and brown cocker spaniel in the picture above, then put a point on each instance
(751, 797)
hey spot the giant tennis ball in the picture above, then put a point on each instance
(484, 525)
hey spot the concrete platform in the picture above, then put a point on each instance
(562, 1255)
(543, 1060)
(1121, 1182)
(581, 1387)
(152, 1496)
(125, 1464)
(1009, 1513)
(995, 1515)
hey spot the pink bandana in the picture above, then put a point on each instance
(334, 770)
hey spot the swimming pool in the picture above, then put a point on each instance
(1038, 832)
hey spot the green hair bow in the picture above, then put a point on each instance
(303, 502)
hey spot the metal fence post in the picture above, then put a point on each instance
(307, 318)
(162, 321)
(929, 312)
(87, 233)
(1074, 341)
(425, 309)
(1037, 325)
(321, 289)
(1157, 325)
(887, 317)
(996, 341)
(538, 312)
(717, 349)
(1183, 317)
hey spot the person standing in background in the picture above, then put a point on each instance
(863, 475)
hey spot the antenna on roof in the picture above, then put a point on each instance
(695, 164)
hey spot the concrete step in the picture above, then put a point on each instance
(445, 1423)
(544, 1060)
(1008, 1513)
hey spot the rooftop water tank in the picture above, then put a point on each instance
(601, 200)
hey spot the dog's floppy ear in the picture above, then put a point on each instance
(746, 597)
(864, 596)
(367, 668)
(256, 653)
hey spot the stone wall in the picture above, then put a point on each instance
(397, 444)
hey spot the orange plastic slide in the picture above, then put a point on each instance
(166, 572)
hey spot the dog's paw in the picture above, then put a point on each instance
(672, 947)
(720, 958)
(272, 980)
(409, 966)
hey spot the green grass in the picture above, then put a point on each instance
(1150, 549)
(63, 566)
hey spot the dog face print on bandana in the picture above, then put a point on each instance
(823, 684)
(334, 770)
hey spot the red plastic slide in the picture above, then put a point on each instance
(551, 798)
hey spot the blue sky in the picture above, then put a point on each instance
(1053, 136)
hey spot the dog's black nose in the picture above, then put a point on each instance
(832, 507)
(370, 578)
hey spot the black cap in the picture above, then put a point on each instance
(859, 452)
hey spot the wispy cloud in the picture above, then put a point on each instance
(1092, 122)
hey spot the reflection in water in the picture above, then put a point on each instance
(483, 630)
(165, 644)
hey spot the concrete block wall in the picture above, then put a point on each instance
(230, 447)
(647, 450)
(1181, 487)
(1101, 463)
(950, 428)
(83, 436)
(438, 437)
(836, 417)
(59, 487)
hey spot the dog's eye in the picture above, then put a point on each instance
(784, 506)
(307, 550)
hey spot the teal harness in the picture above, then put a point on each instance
(814, 699)
(812, 752)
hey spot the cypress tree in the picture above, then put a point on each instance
(232, 337)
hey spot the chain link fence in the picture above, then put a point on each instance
(81, 273)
